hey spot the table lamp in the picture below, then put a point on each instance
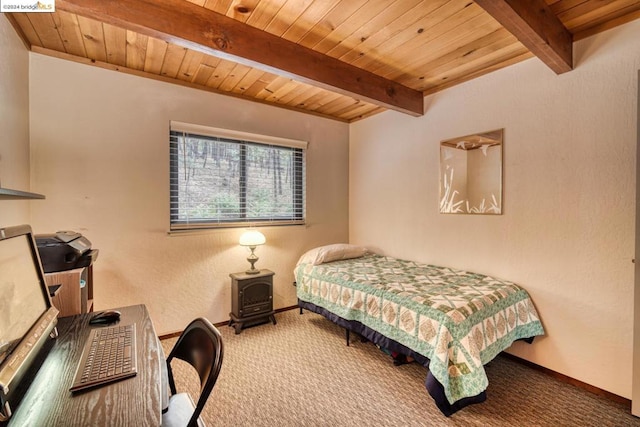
(251, 239)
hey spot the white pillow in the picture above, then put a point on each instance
(333, 252)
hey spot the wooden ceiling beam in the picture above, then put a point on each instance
(534, 24)
(188, 25)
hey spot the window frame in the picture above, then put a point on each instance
(243, 139)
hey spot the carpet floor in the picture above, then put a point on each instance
(300, 373)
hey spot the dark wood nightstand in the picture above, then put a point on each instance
(251, 299)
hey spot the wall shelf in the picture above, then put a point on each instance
(6, 194)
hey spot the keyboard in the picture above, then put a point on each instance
(109, 355)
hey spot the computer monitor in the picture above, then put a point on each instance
(27, 317)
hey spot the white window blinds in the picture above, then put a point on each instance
(223, 178)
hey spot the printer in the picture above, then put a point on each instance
(64, 250)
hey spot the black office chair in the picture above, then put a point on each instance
(200, 345)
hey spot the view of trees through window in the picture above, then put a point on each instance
(216, 180)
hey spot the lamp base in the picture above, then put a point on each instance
(253, 258)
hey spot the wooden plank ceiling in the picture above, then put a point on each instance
(342, 59)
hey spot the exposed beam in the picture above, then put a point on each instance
(538, 29)
(188, 25)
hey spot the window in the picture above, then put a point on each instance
(222, 178)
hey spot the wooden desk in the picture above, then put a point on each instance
(135, 401)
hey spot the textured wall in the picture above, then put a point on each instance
(567, 232)
(635, 397)
(100, 153)
(14, 123)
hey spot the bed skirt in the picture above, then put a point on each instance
(435, 389)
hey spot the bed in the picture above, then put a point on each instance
(451, 321)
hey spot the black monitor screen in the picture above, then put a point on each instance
(22, 301)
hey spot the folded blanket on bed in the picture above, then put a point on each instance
(457, 319)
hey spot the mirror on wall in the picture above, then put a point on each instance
(471, 174)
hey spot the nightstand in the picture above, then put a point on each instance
(251, 299)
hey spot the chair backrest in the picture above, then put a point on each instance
(200, 345)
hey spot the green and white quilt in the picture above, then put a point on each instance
(458, 320)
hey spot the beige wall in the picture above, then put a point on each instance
(14, 123)
(567, 232)
(101, 156)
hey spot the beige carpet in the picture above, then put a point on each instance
(300, 373)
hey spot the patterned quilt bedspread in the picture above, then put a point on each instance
(457, 319)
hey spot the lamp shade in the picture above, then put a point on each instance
(252, 238)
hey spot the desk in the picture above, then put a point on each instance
(135, 401)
